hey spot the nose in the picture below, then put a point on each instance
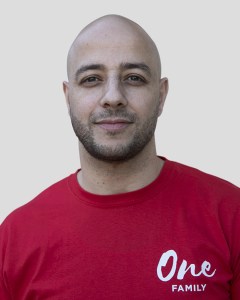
(113, 94)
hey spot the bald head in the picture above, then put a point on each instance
(117, 31)
(115, 92)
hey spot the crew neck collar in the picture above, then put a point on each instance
(123, 199)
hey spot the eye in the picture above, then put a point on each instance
(135, 79)
(90, 80)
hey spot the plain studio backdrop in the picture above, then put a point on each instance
(199, 47)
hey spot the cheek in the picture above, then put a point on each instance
(145, 95)
(145, 105)
(82, 104)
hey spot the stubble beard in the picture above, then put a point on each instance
(121, 152)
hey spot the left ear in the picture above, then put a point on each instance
(66, 92)
(163, 86)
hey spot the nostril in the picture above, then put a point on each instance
(106, 104)
(112, 102)
(113, 97)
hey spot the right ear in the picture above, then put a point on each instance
(163, 93)
(66, 93)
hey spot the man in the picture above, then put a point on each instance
(129, 224)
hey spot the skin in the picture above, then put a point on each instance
(115, 95)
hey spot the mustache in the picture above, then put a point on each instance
(109, 113)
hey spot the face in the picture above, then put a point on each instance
(114, 93)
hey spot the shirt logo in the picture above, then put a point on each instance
(205, 270)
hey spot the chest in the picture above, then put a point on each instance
(114, 254)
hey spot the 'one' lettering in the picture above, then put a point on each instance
(183, 269)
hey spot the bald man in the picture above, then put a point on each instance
(129, 224)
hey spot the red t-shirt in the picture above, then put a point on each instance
(177, 238)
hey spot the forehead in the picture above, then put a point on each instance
(111, 45)
(111, 53)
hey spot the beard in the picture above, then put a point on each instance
(121, 152)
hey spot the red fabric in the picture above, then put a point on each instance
(177, 238)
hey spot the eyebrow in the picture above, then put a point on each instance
(141, 66)
(85, 68)
(123, 66)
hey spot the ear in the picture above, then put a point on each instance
(163, 86)
(66, 93)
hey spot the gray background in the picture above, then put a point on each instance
(199, 46)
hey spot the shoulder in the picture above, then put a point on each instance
(206, 194)
(204, 191)
(47, 202)
(204, 182)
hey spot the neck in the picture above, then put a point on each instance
(106, 178)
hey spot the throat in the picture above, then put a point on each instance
(117, 179)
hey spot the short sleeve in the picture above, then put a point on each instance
(4, 295)
(235, 253)
(3, 291)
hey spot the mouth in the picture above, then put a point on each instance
(113, 124)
